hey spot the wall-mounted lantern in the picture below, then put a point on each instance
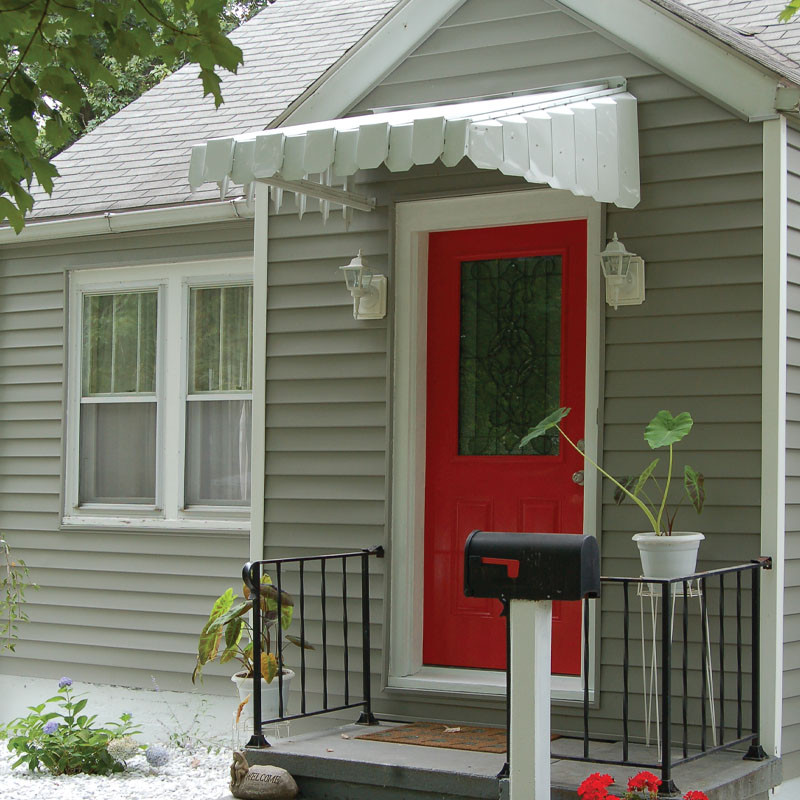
(624, 274)
(367, 289)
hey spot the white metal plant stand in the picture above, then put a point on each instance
(652, 593)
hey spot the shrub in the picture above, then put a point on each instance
(66, 742)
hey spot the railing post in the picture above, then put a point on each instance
(366, 717)
(668, 787)
(756, 751)
(252, 577)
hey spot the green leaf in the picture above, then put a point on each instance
(644, 477)
(628, 482)
(237, 611)
(20, 107)
(45, 172)
(211, 634)
(287, 611)
(269, 666)
(543, 426)
(694, 482)
(664, 429)
(790, 10)
(233, 633)
(300, 642)
(9, 211)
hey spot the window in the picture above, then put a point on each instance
(160, 396)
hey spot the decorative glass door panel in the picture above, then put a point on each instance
(510, 354)
(506, 345)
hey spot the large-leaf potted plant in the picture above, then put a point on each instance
(228, 634)
(664, 552)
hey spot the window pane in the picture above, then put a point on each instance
(218, 452)
(510, 354)
(220, 335)
(118, 453)
(119, 343)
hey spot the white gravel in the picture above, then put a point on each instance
(189, 774)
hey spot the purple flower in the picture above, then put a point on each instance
(64, 682)
(50, 727)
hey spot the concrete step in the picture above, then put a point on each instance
(336, 765)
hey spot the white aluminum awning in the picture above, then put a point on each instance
(584, 140)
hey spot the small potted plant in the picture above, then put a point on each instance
(228, 634)
(665, 553)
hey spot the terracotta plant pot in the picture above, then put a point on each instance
(668, 556)
(269, 694)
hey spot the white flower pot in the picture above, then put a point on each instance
(668, 556)
(269, 695)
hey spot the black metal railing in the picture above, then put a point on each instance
(334, 584)
(723, 639)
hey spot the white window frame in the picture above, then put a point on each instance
(173, 283)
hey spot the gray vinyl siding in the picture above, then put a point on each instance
(695, 344)
(791, 620)
(121, 607)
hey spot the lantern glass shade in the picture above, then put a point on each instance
(357, 275)
(615, 260)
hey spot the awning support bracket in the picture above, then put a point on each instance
(322, 192)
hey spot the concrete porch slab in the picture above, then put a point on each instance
(335, 765)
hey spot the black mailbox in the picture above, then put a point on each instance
(531, 566)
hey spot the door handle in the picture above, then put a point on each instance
(577, 477)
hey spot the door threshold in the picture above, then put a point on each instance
(481, 683)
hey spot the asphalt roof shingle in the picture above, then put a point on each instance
(753, 24)
(146, 146)
(140, 157)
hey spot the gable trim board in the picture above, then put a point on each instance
(707, 65)
(368, 63)
(583, 139)
(414, 220)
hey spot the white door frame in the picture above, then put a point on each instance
(414, 221)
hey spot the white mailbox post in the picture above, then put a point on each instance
(527, 571)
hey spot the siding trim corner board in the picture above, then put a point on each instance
(773, 426)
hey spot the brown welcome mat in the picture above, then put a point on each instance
(435, 734)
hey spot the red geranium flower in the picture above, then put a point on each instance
(695, 795)
(595, 787)
(646, 781)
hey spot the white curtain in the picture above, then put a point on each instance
(218, 452)
(118, 453)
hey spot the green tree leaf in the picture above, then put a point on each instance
(664, 429)
(65, 67)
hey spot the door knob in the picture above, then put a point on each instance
(577, 477)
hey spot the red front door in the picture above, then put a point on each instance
(506, 345)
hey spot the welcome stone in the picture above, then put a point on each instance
(261, 782)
